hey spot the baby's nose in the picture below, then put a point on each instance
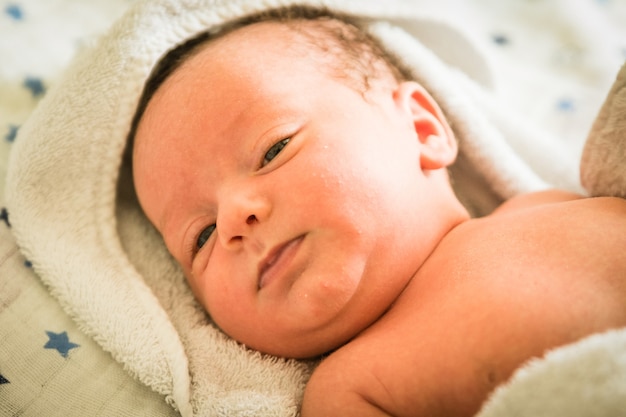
(238, 217)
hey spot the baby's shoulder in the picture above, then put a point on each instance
(548, 263)
(555, 219)
(545, 270)
(557, 202)
(543, 218)
(549, 234)
(535, 199)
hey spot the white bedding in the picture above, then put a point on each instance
(554, 61)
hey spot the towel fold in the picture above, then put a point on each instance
(75, 215)
(603, 164)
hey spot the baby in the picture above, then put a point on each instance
(299, 178)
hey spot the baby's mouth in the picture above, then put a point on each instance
(276, 262)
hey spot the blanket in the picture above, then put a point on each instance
(74, 213)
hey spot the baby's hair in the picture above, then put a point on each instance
(348, 51)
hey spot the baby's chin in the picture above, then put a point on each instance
(302, 349)
(304, 343)
(325, 308)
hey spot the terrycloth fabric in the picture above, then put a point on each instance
(73, 211)
(585, 379)
(603, 164)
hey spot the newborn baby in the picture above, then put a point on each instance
(299, 177)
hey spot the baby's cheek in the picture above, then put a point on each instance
(229, 301)
(324, 294)
(197, 289)
(209, 279)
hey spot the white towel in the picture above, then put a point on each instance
(73, 211)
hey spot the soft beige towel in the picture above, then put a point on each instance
(73, 211)
(603, 165)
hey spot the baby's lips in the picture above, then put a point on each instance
(279, 257)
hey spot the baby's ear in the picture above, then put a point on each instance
(438, 147)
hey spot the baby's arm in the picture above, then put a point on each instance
(334, 392)
(374, 376)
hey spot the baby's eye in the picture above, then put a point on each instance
(274, 150)
(204, 236)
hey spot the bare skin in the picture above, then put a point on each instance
(309, 217)
(543, 272)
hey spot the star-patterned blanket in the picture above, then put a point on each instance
(555, 61)
(48, 367)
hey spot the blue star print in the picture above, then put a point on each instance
(14, 11)
(10, 137)
(565, 105)
(4, 216)
(60, 342)
(35, 85)
(3, 380)
(500, 39)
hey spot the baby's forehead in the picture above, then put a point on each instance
(249, 46)
(246, 47)
(337, 49)
(288, 37)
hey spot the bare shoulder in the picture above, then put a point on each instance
(537, 198)
(539, 274)
(550, 269)
(541, 199)
(574, 222)
(561, 236)
(545, 270)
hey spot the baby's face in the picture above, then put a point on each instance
(296, 207)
